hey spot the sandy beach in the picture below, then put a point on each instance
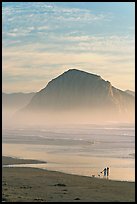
(37, 185)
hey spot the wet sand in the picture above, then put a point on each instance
(37, 185)
(10, 160)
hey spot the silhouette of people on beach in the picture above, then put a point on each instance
(106, 172)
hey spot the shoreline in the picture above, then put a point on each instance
(7, 160)
(17, 161)
(33, 184)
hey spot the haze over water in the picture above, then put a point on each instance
(83, 149)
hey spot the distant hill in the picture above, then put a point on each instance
(130, 92)
(82, 93)
(15, 101)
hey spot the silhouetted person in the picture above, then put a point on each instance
(105, 171)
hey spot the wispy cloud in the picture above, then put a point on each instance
(42, 39)
(31, 63)
(33, 17)
(102, 44)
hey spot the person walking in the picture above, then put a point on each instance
(105, 172)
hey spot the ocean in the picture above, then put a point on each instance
(82, 149)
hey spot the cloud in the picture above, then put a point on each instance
(42, 40)
(12, 34)
(27, 63)
(119, 44)
(41, 28)
(41, 17)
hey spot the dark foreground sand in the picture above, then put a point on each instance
(36, 185)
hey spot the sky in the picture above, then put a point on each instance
(41, 40)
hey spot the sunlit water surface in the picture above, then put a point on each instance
(76, 149)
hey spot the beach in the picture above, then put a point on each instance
(57, 164)
(37, 185)
(83, 150)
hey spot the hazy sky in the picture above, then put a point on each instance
(42, 40)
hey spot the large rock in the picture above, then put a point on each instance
(81, 94)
